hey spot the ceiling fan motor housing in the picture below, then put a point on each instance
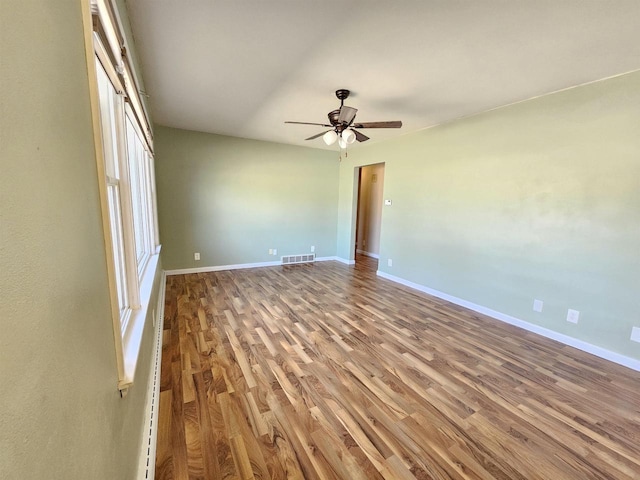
(333, 116)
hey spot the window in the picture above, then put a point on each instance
(141, 192)
(110, 108)
(124, 151)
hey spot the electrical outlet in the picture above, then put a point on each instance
(271, 251)
(390, 262)
(537, 305)
(635, 334)
(313, 248)
(275, 251)
(573, 316)
(196, 256)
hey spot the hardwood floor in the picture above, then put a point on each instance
(326, 371)
(364, 262)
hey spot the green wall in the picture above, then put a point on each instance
(538, 200)
(233, 199)
(61, 415)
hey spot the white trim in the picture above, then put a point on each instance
(328, 259)
(130, 64)
(239, 266)
(109, 19)
(103, 57)
(614, 357)
(149, 439)
(218, 268)
(133, 271)
(132, 337)
(368, 254)
(344, 260)
(102, 10)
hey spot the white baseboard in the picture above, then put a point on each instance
(219, 268)
(368, 254)
(238, 266)
(147, 455)
(327, 259)
(344, 260)
(623, 360)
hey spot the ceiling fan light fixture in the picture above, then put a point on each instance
(342, 126)
(330, 137)
(348, 136)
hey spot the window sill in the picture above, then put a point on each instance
(132, 337)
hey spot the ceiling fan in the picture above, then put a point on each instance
(342, 126)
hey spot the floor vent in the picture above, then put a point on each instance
(291, 259)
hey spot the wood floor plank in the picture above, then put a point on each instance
(326, 371)
(164, 453)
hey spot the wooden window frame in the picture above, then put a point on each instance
(105, 48)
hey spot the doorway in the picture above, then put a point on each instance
(369, 215)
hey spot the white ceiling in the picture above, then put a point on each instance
(242, 68)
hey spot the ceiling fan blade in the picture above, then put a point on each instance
(393, 124)
(307, 123)
(318, 135)
(361, 137)
(347, 114)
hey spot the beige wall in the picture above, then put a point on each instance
(61, 416)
